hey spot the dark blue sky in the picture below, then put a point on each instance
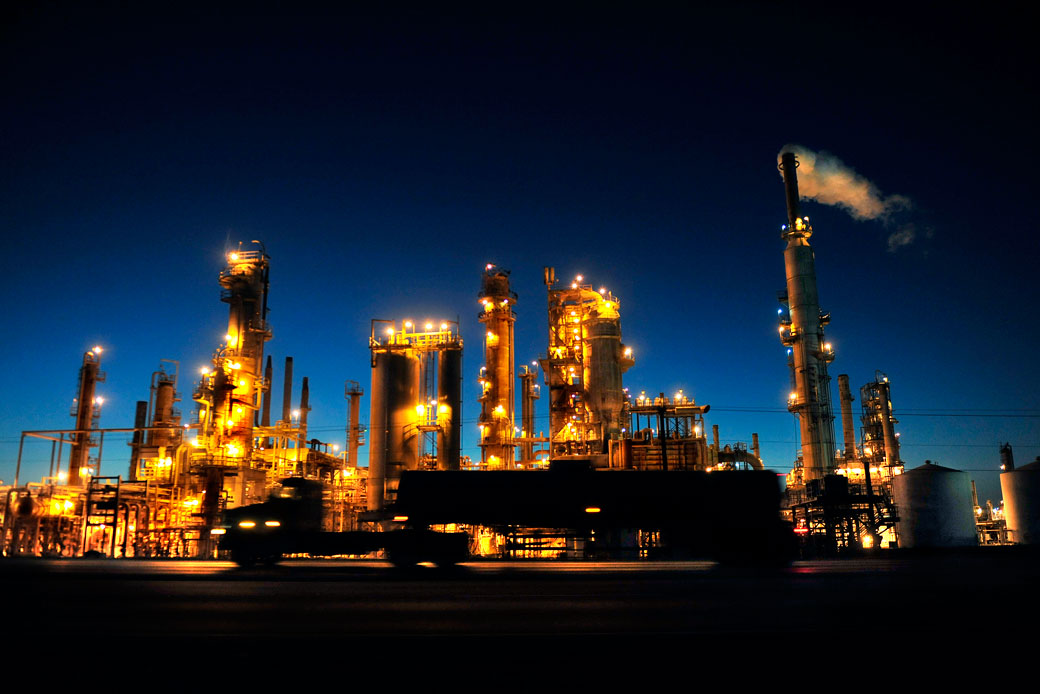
(385, 158)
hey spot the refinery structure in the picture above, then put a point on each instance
(186, 471)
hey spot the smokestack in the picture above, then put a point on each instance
(1007, 459)
(788, 164)
(848, 427)
(305, 399)
(803, 333)
(715, 436)
(265, 416)
(287, 392)
(754, 446)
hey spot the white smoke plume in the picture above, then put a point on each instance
(825, 178)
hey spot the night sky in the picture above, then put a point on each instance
(384, 159)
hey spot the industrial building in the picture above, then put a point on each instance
(184, 472)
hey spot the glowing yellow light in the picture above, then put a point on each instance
(443, 409)
(233, 257)
(272, 523)
(400, 519)
(593, 509)
(574, 285)
(218, 531)
(444, 326)
(296, 414)
(236, 365)
(827, 346)
(97, 349)
(868, 542)
(420, 410)
(389, 331)
(99, 400)
(792, 396)
(196, 443)
(203, 371)
(628, 351)
(579, 278)
(335, 447)
(238, 410)
(408, 324)
(429, 326)
(247, 524)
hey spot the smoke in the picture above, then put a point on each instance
(825, 178)
(903, 236)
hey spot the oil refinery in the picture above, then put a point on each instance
(185, 473)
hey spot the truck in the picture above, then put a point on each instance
(729, 516)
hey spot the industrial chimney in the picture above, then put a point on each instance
(801, 329)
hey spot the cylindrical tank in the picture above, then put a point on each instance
(603, 374)
(934, 507)
(394, 438)
(1021, 491)
(163, 414)
(449, 407)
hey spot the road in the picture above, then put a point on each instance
(333, 604)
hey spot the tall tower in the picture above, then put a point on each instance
(497, 401)
(801, 329)
(232, 388)
(86, 411)
(583, 367)
(529, 392)
(848, 427)
(880, 443)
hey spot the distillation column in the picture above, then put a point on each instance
(848, 427)
(497, 415)
(529, 392)
(86, 412)
(237, 380)
(583, 368)
(353, 392)
(878, 423)
(811, 399)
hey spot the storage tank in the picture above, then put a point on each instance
(394, 440)
(603, 373)
(935, 507)
(1021, 491)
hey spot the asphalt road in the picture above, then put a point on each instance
(330, 605)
